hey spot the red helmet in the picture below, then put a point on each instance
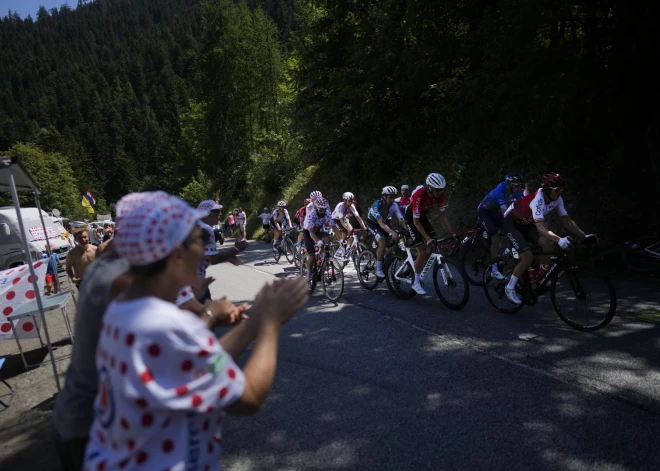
(553, 180)
(356, 200)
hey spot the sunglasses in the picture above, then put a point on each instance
(516, 185)
(558, 189)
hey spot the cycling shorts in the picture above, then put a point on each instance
(519, 235)
(376, 230)
(492, 221)
(340, 225)
(309, 242)
(415, 235)
(282, 223)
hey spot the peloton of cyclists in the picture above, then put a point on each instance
(378, 221)
(340, 217)
(524, 223)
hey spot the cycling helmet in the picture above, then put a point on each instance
(321, 203)
(281, 204)
(435, 180)
(389, 190)
(355, 200)
(315, 194)
(553, 180)
(348, 196)
(514, 177)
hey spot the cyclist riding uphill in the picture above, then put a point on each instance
(318, 214)
(492, 208)
(524, 223)
(299, 218)
(340, 217)
(378, 222)
(422, 200)
(279, 220)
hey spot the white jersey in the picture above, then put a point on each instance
(279, 215)
(164, 380)
(313, 222)
(533, 208)
(342, 212)
(265, 218)
(240, 218)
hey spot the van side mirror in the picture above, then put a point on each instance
(5, 229)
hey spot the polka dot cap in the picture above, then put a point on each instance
(129, 202)
(153, 229)
(209, 205)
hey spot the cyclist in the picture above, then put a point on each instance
(299, 218)
(524, 223)
(422, 200)
(404, 200)
(379, 220)
(492, 208)
(280, 220)
(318, 214)
(340, 217)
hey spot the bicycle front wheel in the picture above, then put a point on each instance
(642, 255)
(366, 270)
(451, 285)
(585, 301)
(474, 258)
(333, 279)
(289, 250)
(276, 251)
(399, 276)
(494, 287)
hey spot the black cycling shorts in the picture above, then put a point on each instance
(519, 235)
(416, 237)
(309, 242)
(282, 223)
(339, 225)
(376, 230)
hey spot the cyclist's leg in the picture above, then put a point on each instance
(309, 245)
(547, 245)
(519, 242)
(492, 223)
(349, 230)
(276, 233)
(422, 251)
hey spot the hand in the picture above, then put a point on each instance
(429, 241)
(454, 236)
(395, 235)
(206, 282)
(319, 243)
(224, 311)
(234, 260)
(564, 243)
(590, 239)
(281, 300)
(241, 244)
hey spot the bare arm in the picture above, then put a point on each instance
(542, 227)
(69, 266)
(570, 226)
(445, 222)
(384, 227)
(418, 225)
(359, 219)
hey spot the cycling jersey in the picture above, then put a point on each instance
(312, 220)
(497, 198)
(403, 202)
(376, 211)
(300, 215)
(421, 202)
(533, 208)
(342, 212)
(279, 215)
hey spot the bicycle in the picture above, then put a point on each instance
(326, 268)
(569, 280)
(284, 246)
(352, 252)
(448, 278)
(366, 263)
(643, 255)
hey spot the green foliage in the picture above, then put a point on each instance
(199, 189)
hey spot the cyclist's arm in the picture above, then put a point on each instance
(314, 237)
(503, 208)
(570, 226)
(542, 227)
(445, 222)
(384, 227)
(418, 225)
(359, 219)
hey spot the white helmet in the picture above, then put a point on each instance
(315, 194)
(281, 204)
(435, 180)
(389, 190)
(348, 196)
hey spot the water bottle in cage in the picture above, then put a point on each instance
(402, 246)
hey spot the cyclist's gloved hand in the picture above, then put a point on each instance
(319, 243)
(564, 243)
(395, 235)
(590, 239)
(429, 241)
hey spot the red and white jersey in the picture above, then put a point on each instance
(313, 222)
(421, 202)
(533, 208)
(164, 380)
(341, 212)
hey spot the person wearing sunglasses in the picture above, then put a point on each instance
(492, 208)
(422, 234)
(524, 223)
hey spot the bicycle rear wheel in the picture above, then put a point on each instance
(366, 270)
(451, 284)
(474, 258)
(585, 301)
(494, 288)
(289, 249)
(401, 287)
(333, 279)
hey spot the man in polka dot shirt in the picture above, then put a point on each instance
(164, 379)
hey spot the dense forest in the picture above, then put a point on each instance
(262, 100)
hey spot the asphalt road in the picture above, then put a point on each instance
(374, 382)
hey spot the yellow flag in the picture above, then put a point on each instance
(85, 203)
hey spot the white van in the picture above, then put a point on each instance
(11, 247)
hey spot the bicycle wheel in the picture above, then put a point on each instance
(276, 251)
(333, 279)
(357, 253)
(401, 284)
(585, 301)
(289, 249)
(494, 288)
(366, 270)
(474, 257)
(451, 284)
(296, 255)
(640, 255)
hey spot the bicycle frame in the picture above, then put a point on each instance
(433, 258)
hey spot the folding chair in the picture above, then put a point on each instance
(11, 390)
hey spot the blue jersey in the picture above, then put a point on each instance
(52, 266)
(376, 211)
(497, 198)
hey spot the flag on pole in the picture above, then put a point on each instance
(90, 198)
(85, 203)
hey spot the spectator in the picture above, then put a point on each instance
(80, 257)
(265, 222)
(231, 223)
(52, 283)
(241, 220)
(170, 368)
